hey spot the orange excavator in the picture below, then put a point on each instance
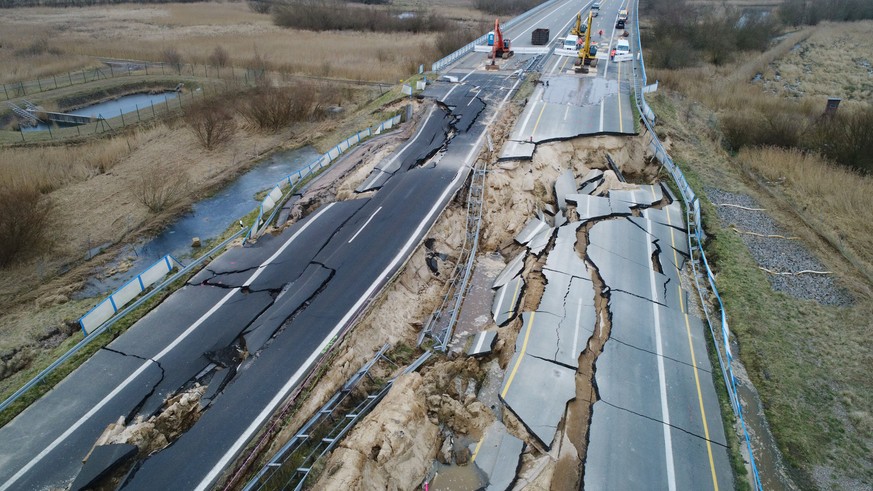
(500, 49)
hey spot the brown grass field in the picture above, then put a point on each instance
(75, 36)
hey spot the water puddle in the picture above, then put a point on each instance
(767, 456)
(207, 220)
(116, 107)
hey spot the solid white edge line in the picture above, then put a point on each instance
(364, 225)
(665, 409)
(283, 392)
(500, 296)
(481, 341)
(75, 426)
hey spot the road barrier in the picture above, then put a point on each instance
(104, 310)
(695, 244)
(117, 317)
(269, 205)
(467, 48)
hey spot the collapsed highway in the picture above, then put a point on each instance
(256, 321)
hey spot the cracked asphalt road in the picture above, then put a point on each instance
(284, 300)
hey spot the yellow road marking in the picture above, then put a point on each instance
(675, 260)
(520, 356)
(702, 410)
(476, 451)
(538, 120)
(514, 298)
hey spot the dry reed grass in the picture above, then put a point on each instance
(45, 169)
(834, 61)
(727, 87)
(196, 29)
(833, 194)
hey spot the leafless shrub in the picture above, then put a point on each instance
(260, 6)
(503, 7)
(211, 123)
(273, 108)
(847, 138)
(160, 187)
(334, 15)
(24, 221)
(171, 56)
(219, 57)
(448, 41)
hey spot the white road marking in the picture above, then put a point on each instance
(97, 407)
(566, 112)
(576, 334)
(417, 136)
(480, 343)
(364, 225)
(540, 20)
(602, 103)
(665, 409)
(283, 392)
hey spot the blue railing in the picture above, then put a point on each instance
(275, 197)
(695, 244)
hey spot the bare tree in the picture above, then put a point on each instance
(171, 56)
(211, 123)
(219, 57)
(160, 187)
(24, 222)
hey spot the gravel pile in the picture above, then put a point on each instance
(775, 254)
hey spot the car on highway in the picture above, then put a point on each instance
(595, 9)
(622, 47)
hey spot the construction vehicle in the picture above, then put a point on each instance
(580, 29)
(500, 49)
(588, 50)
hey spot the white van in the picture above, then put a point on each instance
(622, 47)
(570, 41)
(595, 9)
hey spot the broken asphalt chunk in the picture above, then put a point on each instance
(482, 344)
(498, 456)
(103, 460)
(593, 207)
(565, 184)
(512, 269)
(531, 230)
(503, 308)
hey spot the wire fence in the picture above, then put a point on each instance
(15, 90)
(719, 328)
(112, 122)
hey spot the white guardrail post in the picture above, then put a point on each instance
(694, 230)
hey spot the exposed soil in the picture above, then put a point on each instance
(456, 406)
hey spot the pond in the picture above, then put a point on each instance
(116, 107)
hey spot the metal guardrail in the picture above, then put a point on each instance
(695, 244)
(109, 323)
(285, 469)
(469, 47)
(439, 327)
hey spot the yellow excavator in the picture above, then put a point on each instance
(588, 50)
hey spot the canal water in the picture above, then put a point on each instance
(115, 107)
(207, 220)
